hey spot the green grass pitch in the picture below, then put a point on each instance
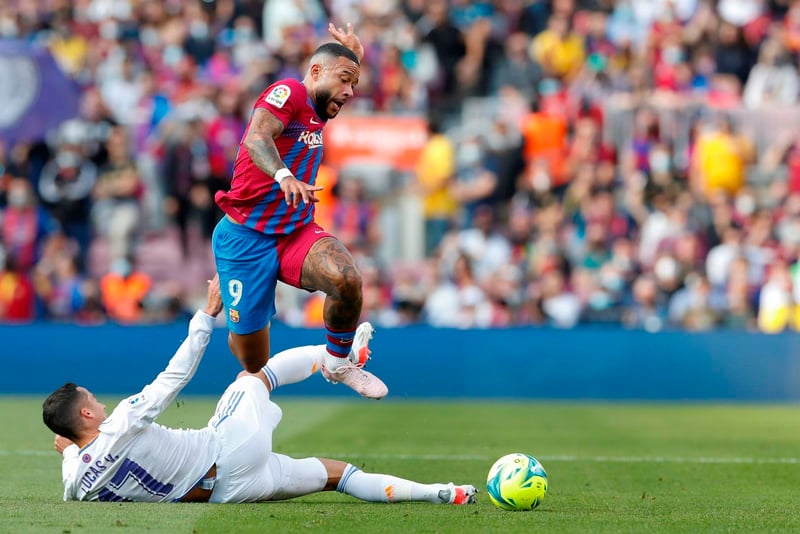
(648, 468)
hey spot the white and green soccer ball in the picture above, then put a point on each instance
(517, 482)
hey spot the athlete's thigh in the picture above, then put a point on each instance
(244, 421)
(247, 264)
(293, 253)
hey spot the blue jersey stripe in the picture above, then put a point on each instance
(303, 217)
(315, 167)
(274, 195)
(277, 216)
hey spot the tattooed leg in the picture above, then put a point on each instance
(330, 268)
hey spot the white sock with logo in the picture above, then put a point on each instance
(374, 487)
(294, 365)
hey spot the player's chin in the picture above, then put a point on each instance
(333, 109)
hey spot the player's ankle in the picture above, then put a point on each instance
(332, 363)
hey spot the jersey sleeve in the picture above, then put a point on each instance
(137, 411)
(283, 99)
(69, 465)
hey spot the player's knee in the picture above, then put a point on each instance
(347, 284)
(259, 375)
(252, 350)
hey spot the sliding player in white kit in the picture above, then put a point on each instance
(126, 456)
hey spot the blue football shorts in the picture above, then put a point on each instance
(247, 264)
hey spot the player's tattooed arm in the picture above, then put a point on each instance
(260, 141)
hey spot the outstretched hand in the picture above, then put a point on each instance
(214, 299)
(348, 39)
(295, 190)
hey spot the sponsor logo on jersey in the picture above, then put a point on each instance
(278, 96)
(311, 139)
(234, 315)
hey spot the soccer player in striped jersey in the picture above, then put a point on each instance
(127, 456)
(268, 232)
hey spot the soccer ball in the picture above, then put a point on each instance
(517, 482)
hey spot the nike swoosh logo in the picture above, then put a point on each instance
(319, 231)
(314, 121)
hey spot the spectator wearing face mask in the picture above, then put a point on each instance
(65, 188)
(773, 81)
(24, 224)
(474, 182)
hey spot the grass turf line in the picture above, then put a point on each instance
(440, 442)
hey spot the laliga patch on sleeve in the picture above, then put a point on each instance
(278, 96)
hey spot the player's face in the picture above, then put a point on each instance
(92, 404)
(336, 83)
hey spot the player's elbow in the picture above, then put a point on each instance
(251, 143)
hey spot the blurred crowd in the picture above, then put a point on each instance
(628, 162)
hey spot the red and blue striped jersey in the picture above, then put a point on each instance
(255, 199)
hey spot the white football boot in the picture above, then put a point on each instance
(352, 374)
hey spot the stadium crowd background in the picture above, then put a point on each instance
(633, 162)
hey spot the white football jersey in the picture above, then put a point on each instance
(135, 459)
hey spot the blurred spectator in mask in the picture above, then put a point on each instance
(474, 183)
(647, 311)
(487, 249)
(116, 211)
(787, 226)
(17, 298)
(65, 188)
(777, 309)
(732, 54)
(720, 160)
(603, 291)
(186, 173)
(123, 291)
(738, 311)
(59, 285)
(223, 133)
(355, 216)
(459, 302)
(720, 257)
(199, 42)
(283, 18)
(448, 44)
(516, 68)
(774, 80)
(504, 158)
(692, 306)
(122, 92)
(561, 306)
(25, 225)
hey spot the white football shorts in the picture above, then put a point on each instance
(247, 469)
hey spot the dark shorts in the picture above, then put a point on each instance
(250, 264)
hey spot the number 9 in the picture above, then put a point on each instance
(235, 291)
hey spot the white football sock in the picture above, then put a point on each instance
(375, 487)
(294, 365)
